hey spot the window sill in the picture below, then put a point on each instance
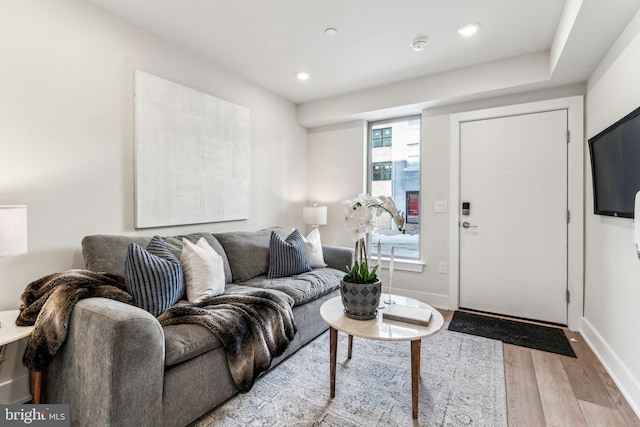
(412, 265)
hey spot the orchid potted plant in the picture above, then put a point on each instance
(360, 287)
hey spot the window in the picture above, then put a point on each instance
(381, 137)
(394, 159)
(381, 171)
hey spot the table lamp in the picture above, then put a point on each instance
(314, 215)
(13, 230)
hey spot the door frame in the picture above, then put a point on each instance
(575, 193)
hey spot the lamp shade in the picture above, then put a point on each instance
(13, 230)
(314, 215)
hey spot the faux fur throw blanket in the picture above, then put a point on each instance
(48, 302)
(253, 326)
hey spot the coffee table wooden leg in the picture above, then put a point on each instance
(350, 346)
(36, 386)
(415, 376)
(333, 355)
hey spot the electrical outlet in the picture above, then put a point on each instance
(441, 207)
(442, 267)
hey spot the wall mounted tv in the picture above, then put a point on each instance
(615, 166)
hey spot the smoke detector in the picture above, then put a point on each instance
(419, 45)
(331, 32)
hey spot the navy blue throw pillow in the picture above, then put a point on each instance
(153, 276)
(287, 256)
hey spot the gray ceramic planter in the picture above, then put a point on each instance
(360, 301)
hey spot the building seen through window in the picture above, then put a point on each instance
(381, 137)
(381, 171)
(394, 159)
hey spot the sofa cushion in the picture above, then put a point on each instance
(287, 257)
(314, 249)
(247, 252)
(203, 270)
(301, 287)
(186, 341)
(153, 276)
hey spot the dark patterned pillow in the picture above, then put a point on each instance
(287, 256)
(153, 276)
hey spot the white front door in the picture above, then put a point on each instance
(513, 242)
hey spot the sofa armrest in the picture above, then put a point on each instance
(110, 369)
(338, 257)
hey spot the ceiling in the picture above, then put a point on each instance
(270, 41)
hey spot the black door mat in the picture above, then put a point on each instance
(523, 334)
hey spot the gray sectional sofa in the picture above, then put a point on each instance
(120, 367)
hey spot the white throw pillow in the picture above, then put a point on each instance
(203, 270)
(314, 248)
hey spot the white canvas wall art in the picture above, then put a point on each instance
(192, 155)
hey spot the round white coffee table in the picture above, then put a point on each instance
(381, 329)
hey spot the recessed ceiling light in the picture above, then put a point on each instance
(303, 76)
(469, 29)
(419, 45)
(331, 32)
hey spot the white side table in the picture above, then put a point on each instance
(10, 333)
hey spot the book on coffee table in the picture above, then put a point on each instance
(404, 313)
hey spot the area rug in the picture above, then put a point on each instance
(523, 334)
(461, 384)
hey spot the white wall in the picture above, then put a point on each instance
(66, 132)
(336, 172)
(612, 270)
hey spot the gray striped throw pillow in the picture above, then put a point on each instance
(153, 276)
(287, 256)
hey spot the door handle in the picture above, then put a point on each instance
(467, 225)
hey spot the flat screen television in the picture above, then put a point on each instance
(615, 166)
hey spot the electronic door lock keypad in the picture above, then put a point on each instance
(466, 207)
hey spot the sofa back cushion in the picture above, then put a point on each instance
(107, 253)
(247, 252)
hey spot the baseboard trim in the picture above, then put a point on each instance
(618, 371)
(434, 300)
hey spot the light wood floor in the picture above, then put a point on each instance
(549, 390)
